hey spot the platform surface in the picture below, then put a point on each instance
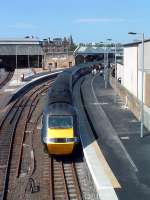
(127, 154)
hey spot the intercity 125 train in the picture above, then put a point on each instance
(59, 133)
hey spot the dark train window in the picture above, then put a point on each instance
(60, 121)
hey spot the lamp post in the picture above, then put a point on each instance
(115, 99)
(106, 65)
(105, 60)
(142, 82)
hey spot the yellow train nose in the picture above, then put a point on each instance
(60, 149)
(60, 133)
(60, 141)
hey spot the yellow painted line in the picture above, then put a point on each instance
(105, 165)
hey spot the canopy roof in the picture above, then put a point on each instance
(24, 46)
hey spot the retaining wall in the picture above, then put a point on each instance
(131, 102)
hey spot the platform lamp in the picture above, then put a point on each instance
(115, 96)
(106, 66)
(142, 82)
(104, 47)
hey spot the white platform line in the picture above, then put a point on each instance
(103, 185)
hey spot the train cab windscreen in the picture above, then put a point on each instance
(60, 121)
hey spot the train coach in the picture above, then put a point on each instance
(59, 132)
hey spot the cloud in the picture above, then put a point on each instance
(22, 25)
(101, 20)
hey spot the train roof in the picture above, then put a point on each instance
(60, 91)
(60, 109)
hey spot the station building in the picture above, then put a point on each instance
(58, 53)
(58, 60)
(130, 71)
(20, 53)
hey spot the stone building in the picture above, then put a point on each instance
(58, 52)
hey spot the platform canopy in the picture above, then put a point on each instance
(24, 46)
(91, 50)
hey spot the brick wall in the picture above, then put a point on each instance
(59, 61)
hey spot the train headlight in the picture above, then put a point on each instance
(76, 140)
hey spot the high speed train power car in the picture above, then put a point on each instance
(59, 131)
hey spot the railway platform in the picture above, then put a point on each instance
(9, 89)
(118, 136)
(16, 83)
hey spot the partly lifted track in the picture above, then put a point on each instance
(12, 134)
(8, 78)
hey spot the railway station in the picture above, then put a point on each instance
(74, 100)
(109, 133)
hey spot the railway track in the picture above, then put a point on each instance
(64, 180)
(12, 134)
(24, 167)
(8, 78)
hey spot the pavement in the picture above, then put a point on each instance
(118, 137)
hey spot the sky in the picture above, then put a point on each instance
(85, 20)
